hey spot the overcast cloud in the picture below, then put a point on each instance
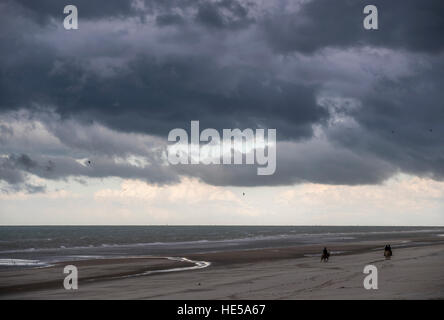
(350, 106)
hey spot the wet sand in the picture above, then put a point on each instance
(415, 272)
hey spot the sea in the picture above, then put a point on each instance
(40, 246)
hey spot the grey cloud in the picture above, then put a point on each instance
(404, 24)
(5, 132)
(13, 172)
(169, 19)
(29, 188)
(223, 14)
(189, 87)
(9, 173)
(401, 122)
(219, 14)
(23, 161)
(64, 167)
(42, 10)
(218, 63)
(316, 161)
(23, 187)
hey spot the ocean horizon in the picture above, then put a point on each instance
(34, 246)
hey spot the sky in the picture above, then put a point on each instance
(85, 114)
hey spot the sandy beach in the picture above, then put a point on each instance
(414, 272)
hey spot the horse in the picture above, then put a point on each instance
(325, 257)
(388, 254)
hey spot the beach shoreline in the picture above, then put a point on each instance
(271, 273)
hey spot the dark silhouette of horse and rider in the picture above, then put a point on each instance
(325, 255)
(387, 253)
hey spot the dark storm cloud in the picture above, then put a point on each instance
(317, 162)
(11, 172)
(229, 64)
(402, 122)
(223, 14)
(5, 132)
(42, 10)
(169, 19)
(156, 94)
(219, 14)
(171, 93)
(14, 169)
(405, 24)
